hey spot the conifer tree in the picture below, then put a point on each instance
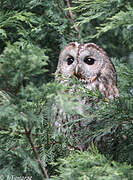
(32, 33)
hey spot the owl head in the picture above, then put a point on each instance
(91, 65)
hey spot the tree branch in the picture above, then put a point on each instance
(29, 136)
(72, 19)
(15, 132)
(62, 11)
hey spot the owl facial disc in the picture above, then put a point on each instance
(91, 65)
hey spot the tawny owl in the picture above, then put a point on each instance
(93, 68)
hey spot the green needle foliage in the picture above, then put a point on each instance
(91, 166)
(105, 20)
(32, 33)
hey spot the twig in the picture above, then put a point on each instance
(72, 19)
(62, 11)
(29, 136)
(15, 132)
(4, 129)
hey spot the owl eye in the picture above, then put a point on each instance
(89, 61)
(70, 60)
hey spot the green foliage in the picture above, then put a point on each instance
(26, 61)
(87, 166)
(108, 21)
(13, 25)
(32, 33)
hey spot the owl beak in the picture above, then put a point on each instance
(76, 70)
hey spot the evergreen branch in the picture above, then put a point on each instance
(72, 19)
(15, 132)
(29, 136)
(4, 129)
(62, 11)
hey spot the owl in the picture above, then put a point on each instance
(91, 65)
(95, 71)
